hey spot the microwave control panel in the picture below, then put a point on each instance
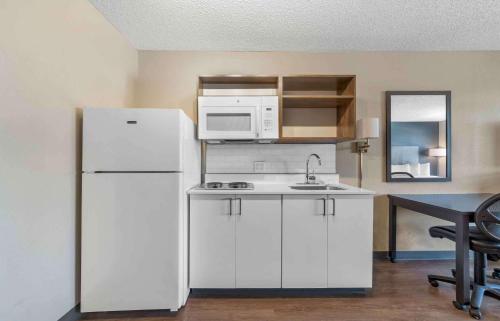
(269, 117)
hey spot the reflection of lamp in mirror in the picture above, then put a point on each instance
(366, 128)
(437, 152)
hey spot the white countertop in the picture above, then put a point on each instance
(284, 188)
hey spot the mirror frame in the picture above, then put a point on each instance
(388, 95)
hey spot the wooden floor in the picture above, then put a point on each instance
(400, 292)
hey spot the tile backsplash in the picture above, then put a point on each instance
(268, 158)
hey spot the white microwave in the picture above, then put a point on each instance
(238, 118)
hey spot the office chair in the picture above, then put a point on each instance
(487, 219)
(496, 274)
(481, 243)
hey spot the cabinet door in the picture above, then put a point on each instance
(350, 242)
(304, 241)
(258, 241)
(212, 239)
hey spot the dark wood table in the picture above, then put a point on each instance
(455, 208)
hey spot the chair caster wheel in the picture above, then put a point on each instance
(495, 275)
(475, 313)
(433, 283)
(459, 306)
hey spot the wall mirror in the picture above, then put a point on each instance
(418, 136)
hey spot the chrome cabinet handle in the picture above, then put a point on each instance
(239, 202)
(230, 205)
(333, 206)
(324, 205)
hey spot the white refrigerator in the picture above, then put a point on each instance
(137, 165)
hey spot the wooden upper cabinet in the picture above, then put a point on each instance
(238, 85)
(318, 108)
(313, 108)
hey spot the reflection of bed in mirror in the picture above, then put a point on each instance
(407, 163)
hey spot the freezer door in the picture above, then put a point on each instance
(131, 225)
(131, 139)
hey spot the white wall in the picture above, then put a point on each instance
(277, 158)
(55, 57)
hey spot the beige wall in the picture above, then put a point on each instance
(169, 79)
(55, 57)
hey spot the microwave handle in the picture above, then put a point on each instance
(257, 123)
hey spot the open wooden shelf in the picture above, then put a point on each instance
(238, 79)
(338, 85)
(311, 140)
(316, 101)
(233, 85)
(318, 108)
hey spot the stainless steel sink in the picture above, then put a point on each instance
(317, 188)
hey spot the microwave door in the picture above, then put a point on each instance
(228, 123)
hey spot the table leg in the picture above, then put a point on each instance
(392, 230)
(462, 263)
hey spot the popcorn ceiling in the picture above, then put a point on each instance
(306, 25)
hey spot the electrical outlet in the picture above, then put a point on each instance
(259, 167)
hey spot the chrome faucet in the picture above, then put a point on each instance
(311, 179)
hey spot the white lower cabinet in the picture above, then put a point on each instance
(258, 242)
(350, 242)
(274, 241)
(212, 246)
(235, 241)
(304, 241)
(327, 241)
